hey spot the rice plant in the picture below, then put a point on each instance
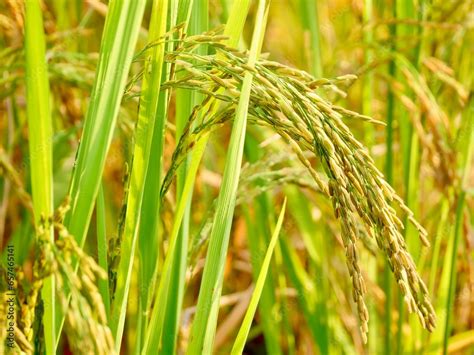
(216, 176)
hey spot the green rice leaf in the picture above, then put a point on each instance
(203, 329)
(122, 21)
(143, 142)
(247, 322)
(40, 145)
(102, 248)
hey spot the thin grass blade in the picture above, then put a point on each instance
(195, 16)
(141, 153)
(257, 292)
(232, 30)
(203, 329)
(102, 248)
(40, 146)
(122, 21)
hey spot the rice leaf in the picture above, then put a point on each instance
(252, 307)
(40, 146)
(233, 31)
(203, 329)
(141, 153)
(102, 248)
(197, 15)
(122, 21)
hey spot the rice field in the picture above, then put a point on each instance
(236, 177)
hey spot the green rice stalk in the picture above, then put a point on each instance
(232, 31)
(62, 17)
(151, 209)
(413, 184)
(367, 99)
(197, 14)
(309, 17)
(141, 153)
(225, 9)
(41, 154)
(155, 327)
(203, 329)
(310, 20)
(465, 144)
(184, 12)
(406, 10)
(178, 12)
(150, 233)
(102, 248)
(389, 165)
(105, 100)
(453, 270)
(122, 21)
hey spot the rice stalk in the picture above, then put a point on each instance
(367, 100)
(389, 169)
(143, 143)
(202, 332)
(194, 14)
(409, 142)
(102, 248)
(310, 22)
(41, 154)
(232, 30)
(122, 21)
(151, 208)
(466, 142)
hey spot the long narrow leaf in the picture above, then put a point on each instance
(122, 21)
(40, 144)
(197, 15)
(247, 322)
(102, 248)
(233, 31)
(203, 330)
(143, 140)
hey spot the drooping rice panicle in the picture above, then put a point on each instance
(286, 100)
(86, 320)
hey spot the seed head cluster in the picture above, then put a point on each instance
(287, 101)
